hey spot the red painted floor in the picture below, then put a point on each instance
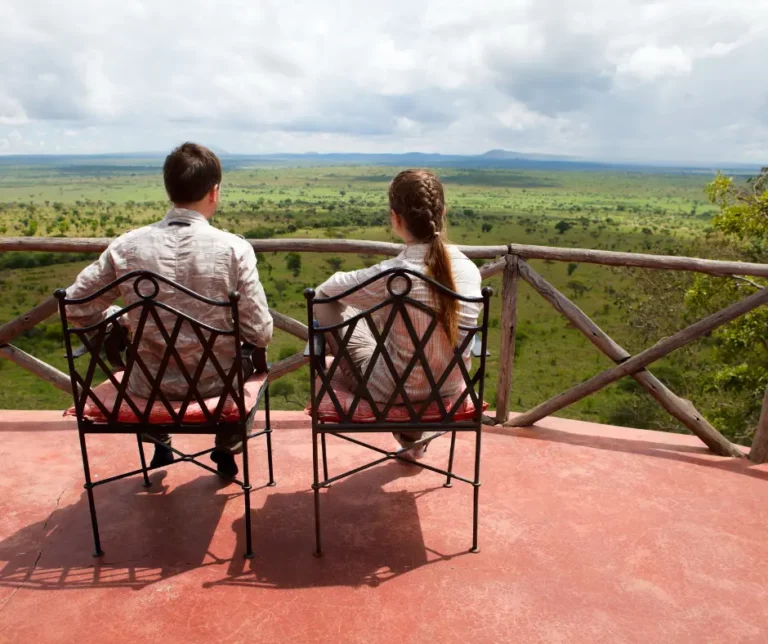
(588, 534)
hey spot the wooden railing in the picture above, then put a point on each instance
(510, 261)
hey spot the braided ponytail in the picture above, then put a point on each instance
(417, 197)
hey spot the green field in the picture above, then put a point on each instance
(663, 213)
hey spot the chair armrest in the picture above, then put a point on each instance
(477, 347)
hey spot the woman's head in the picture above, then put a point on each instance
(417, 203)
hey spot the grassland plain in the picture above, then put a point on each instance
(663, 213)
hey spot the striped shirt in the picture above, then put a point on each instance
(399, 343)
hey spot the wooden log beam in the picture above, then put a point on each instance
(289, 325)
(508, 333)
(759, 451)
(493, 268)
(604, 257)
(286, 366)
(639, 260)
(678, 407)
(641, 360)
(25, 322)
(288, 244)
(37, 367)
(55, 244)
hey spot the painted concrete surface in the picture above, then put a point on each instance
(588, 534)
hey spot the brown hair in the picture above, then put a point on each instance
(417, 197)
(190, 172)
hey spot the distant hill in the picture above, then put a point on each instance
(492, 159)
(509, 155)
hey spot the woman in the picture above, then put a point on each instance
(417, 211)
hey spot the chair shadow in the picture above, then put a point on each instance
(692, 454)
(369, 536)
(148, 534)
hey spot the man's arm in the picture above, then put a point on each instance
(255, 320)
(90, 280)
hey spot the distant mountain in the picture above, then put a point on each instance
(144, 162)
(511, 155)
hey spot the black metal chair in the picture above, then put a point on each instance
(337, 411)
(110, 408)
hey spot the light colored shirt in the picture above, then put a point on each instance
(399, 344)
(186, 249)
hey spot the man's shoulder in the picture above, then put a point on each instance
(132, 236)
(238, 243)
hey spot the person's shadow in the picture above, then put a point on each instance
(147, 535)
(369, 535)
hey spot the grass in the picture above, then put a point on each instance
(656, 213)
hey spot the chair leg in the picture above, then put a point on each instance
(97, 551)
(316, 492)
(476, 486)
(143, 458)
(268, 429)
(247, 496)
(450, 461)
(325, 461)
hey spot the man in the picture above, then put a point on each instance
(185, 248)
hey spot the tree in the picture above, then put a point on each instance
(562, 225)
(293, 263)
(725, 375)
(486, 228)
(571, 268)
(741, 347)
(578, 288)
(281, 286)
(335, 263)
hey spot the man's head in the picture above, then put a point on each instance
(192, 175)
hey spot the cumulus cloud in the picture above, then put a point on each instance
(634, 79)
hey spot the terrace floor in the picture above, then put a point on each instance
(588, 533)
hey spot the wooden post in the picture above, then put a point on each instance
(641, 360)
(678, 407)
(759, 451)
(508, 332)
(38, 367)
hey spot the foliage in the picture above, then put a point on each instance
(741, 347)
(577, 288)
(293, 263)
(304, 201)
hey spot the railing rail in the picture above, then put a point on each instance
(509, 260)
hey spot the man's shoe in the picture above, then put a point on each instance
(225, 463)
(163, 456)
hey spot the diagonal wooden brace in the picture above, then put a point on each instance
(640, 361)
(678, 407)
(39, 368)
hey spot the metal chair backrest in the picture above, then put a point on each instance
(151, 309)
(398, 305)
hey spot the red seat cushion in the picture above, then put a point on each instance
(327, 412)
(107, 394)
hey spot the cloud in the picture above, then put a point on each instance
(649, 63)
(600, 78)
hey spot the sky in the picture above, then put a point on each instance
(677, 80)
